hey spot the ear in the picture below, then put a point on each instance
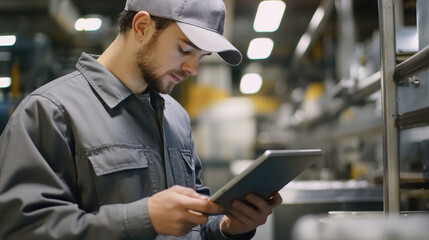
(142, 26)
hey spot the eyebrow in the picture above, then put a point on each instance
(187, 41)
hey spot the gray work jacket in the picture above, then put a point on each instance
(81, 155)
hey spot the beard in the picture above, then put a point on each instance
(147, 67)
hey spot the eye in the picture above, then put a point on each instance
(183, 51)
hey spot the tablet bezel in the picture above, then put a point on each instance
(307, 155)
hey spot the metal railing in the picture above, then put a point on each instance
(391, 74)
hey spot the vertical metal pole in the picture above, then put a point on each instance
(346, 38)
(388, 92)
(422, 12)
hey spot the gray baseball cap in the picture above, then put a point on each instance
(201, 21)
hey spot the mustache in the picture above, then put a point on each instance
(183, 75)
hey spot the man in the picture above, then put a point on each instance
(106, 153)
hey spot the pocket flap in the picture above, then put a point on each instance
(187, 157)
(116, 158)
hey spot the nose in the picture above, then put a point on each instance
(191, 65)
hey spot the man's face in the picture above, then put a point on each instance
(168, 59)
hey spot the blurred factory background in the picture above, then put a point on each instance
(310, 80)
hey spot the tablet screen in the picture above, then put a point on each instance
(269, 173)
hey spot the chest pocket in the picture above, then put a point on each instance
(121, 173)
(183, 167)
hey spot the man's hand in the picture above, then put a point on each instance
(175, 211)
(243, 218)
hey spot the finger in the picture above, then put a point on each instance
(191, 200)
(204, 197)
(202, 205)
(250, 216)
(188, 192)
(214, 208)
(275, 200)
(246, 209)
(185, 191)
(239, 216)
(258, 202)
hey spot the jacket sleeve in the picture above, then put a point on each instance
(38, 192)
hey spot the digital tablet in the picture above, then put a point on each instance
(269, 173)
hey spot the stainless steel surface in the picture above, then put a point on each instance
(410, 96)
(330, 191)
(422, 14)
(414, 64)
(313, 31)
(389, 108)
(411, 119)
(367, 87)
(347, 38)
(303, 198)
(355, 225)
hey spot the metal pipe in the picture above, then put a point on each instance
(312, 32)
(412, 65)
(346, 38)
(389, 107)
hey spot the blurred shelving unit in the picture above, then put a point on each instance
(402, 121)
(404, 129)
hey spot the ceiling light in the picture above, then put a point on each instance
(268, 16)
(5, 82)
(7, 40)
(260, 48)
(88, 24)
(250, 83)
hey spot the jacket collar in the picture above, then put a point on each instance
(110, 89)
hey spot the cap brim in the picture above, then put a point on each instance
(212, 42)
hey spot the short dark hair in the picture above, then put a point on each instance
(125, 21)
